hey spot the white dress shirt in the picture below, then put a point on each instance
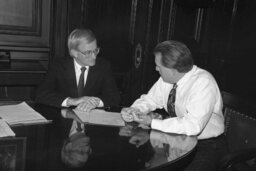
(73, 128)
(198, 105)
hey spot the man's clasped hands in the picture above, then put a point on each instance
(85, 103)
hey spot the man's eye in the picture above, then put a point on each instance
(87, 52)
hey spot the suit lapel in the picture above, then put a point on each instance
(71, 76)
(91, 79)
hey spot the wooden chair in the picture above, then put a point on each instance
(240, 132)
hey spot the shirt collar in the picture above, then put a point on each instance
(187, 75)
(78, 67)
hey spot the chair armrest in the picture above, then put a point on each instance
(232, 158)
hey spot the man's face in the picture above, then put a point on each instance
(80, 148)
(168, 75)
(86, 53)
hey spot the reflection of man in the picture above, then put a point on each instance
(174, 145)
(138, 136)
(76, 149)
(81, 80)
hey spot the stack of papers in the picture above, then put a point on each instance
(21, 114)
(100, 117)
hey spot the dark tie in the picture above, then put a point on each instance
(79, 127)
(80, 86)
(171, 101)
(166, 149)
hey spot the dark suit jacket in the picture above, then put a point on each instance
(60, 83)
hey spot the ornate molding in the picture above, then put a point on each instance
(198, 24)
(171, 21)
(149, 17)
(132, 21)
(170, 12)
(36, 21)
(160, 22)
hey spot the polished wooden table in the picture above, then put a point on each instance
(59, 146)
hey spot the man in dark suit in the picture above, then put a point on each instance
(81, 80)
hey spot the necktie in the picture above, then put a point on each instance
(171, 101)
(166, 149)
(80, 86)
(79, 127)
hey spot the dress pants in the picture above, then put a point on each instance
(208, 153)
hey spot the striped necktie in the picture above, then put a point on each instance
(171, 101)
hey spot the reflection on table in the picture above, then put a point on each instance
(166, 148)
(67, 144)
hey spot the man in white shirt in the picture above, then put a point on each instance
(198, 102)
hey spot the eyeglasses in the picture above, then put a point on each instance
(90, 52)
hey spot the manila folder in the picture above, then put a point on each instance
(101, 117)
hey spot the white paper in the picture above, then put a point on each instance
(5, 130)
(20, 114)
(100, 117)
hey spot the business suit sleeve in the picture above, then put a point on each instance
(49, 91)
(109, 94)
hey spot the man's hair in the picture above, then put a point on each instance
(70, 157)
(175, 55)
(80, 35)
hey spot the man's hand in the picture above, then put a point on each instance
(89, 104)
(85, 103)
(139, 138)
(76, 101)
(126, 131)
(129, 113)
(132, 114)
(155, 115)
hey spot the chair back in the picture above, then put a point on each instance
(240, 122)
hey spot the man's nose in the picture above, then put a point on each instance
(93, 56)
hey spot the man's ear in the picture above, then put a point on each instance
(73, 53)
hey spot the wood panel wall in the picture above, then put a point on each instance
(220, 34)
(25, 39)
(25, 29)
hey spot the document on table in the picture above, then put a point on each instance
(5, 130)
(21, 114)
(100, 117)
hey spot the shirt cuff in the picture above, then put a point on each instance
(64, 103)
(101, 103)
(156, 124)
